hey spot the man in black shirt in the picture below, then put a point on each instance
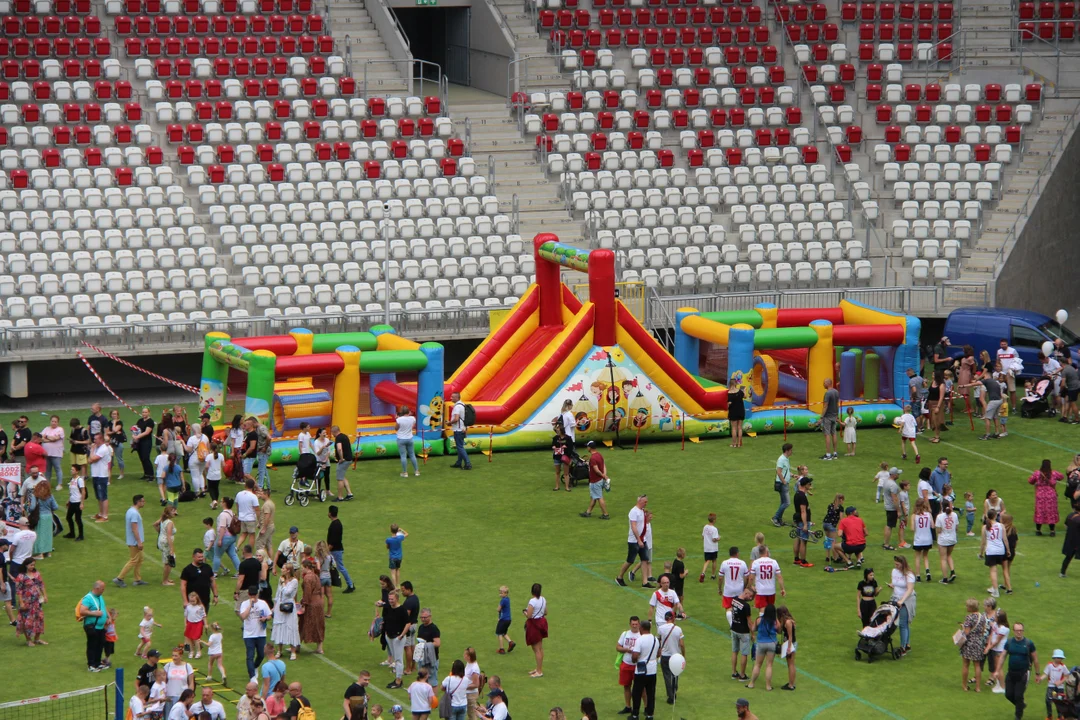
(145, 675)
(343, 455)
(246, 576)
(429, 633)
(249, 449)
(355, 702)
(741, 607)
(801, 520)
(411, 604)
(334, 535)
(22, 435)
(198, 578)
(296, 692)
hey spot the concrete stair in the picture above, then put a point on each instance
(541, 72)
(357, 40)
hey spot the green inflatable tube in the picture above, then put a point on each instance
(871, 374)
(785, 338)
(732, 317)
(330, 342)
(386, 361)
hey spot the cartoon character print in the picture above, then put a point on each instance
(434, 411)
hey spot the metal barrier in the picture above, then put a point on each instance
(520, 82)
(1029, 49)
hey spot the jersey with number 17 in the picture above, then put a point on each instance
(734, 571)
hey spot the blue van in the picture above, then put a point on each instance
(983, 329)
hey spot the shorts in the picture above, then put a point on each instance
(79, 459)
(922, 548)
(726, 601)
(1073, 394)
(760, 601)
(801, 532)
(395, 563)
(992, 408)
(502, 627)
(829, 527)
(110, 647)
(637, 552)
(852, 549)
(596, 490)
(766, 648)
(5, 592)
(740, 643)
(711, 555)
(339, 471)
(626, 674)
(248, 526)
(410, 637)
(908, 437)
(992, 560)
(101, 488)
(325, 582)
(828, 425)
(249, 464)
(891, 517)
(1010, 381)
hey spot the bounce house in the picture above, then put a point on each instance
(553, 347)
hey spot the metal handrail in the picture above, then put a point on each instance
(520, 81)
(914, 300)
(500, 17)
(397, 25)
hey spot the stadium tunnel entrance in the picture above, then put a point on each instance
(439, 35)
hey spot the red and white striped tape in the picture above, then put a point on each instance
(182, 386)
(102, 381)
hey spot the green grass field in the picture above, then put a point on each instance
(502, 524)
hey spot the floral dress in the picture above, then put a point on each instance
(975, 627)
(30, 589)
(1046, 502)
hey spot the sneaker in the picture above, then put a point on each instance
(918, 579)
(119, 583)
(903, 456)
(851, 566)
(648, 585)
(1001, 435)
(701, 578)
(620, 582)
(918, 458)
(404, 475)
(929, 578)
(998, 690)
(904, 546)
(512, 646)
(605, 517)
(735, 676)
(625, 711)
(806, 564)
(350, 589)
(348, 497)
(1008, 592)
(93, 669)
(585, 514)
(943, 581)
(140, 582)
(632, 574)
(777, 523)
(984, 437)
(826, 456)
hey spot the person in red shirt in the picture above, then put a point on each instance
(598, 481)
(853, 530)
(35, 453)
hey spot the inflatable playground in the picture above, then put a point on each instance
(552, 347)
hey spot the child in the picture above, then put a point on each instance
(399, 714)
(949, 382)
(503, 626)
(947, 493)
(194, 620)
(679, 572)
(146, 631)
(1029, 392)
(209, 537)
(393, 547)
(155, 707)
(905, 510)
(849, 431)
(881, 477)
(1055, 673)
(559, 456)
(1003, 411)
(969, 512)
(711, 541)
(376, 712)
(213, 470)
(110, 636)
(908, 431)
(213, 651)
(759, 547)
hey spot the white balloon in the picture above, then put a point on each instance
(1047, 348)
(677, 664)
(1062, 317)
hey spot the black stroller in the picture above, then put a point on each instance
(876, 638)
(579, 469)
(1035, 403)
(305, 481)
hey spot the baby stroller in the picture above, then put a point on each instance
(1035, 403)
(876, 638)
(1067, 700)
(579, 469)
(305, 481)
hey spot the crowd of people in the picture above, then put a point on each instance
(282, 589)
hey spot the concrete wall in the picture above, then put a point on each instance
(491, 48)
(1040, 272)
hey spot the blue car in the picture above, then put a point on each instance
(984, 328)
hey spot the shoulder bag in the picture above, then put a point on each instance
(446, 709)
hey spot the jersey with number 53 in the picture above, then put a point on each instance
(765, 571)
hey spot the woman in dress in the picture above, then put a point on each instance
(313, 620)
(166, 528)
(30, 590)
(851, 436)
(788, 643)
(736, 410)
(323, 562)
(903, 594)
(966, 371)
(42, 500)
(236, 445)
(536, 628)
(1046, 502)
(973, 643)
(1012, 537)
(286, 623)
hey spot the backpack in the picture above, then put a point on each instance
(470, 415)
(202, 451)
(1072, 681)
(234, 527)
(80, 611)
(306, 712)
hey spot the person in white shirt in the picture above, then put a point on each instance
(100, 460)
(138, 703)
(498, 709)
(195, 464)
(303, 441)
(406, 428)
(247, 512)
(179, 710)
(946, 524)
(472, 676)
(208, 705)
(710, 537)
(254, 612)
(664, 600)
(635, 544)
(908, 431)
(766, 575)
(993, 548)
(76, 502)
(1012, 366)
(646, 657)
(457, 424)
(569, 424)
(625, 645)
(733, 572)
(671, 643)
(1055, 673)
(213, 469)
(22, 546)
(881, 477)
(420, 695)
(923, 522)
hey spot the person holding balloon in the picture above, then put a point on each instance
(672, 655)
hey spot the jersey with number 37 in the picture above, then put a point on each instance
(734, 571)
(765, 571)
